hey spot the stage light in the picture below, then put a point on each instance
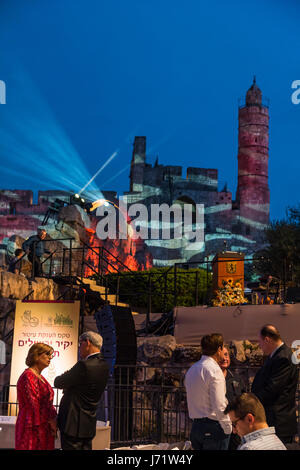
(101, 202)
(79, 201)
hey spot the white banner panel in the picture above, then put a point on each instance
(52, 322)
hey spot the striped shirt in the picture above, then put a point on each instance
(262, 439)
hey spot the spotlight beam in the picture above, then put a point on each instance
(99, 171)
(115, 176)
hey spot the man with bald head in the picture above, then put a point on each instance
(275, 384)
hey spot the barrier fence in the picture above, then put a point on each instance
(146, 404)
(185, 284)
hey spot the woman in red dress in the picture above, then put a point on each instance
(36, 421)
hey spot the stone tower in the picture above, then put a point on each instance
(138, 164)
(253, 194)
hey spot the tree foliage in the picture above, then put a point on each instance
(158, 286)
(281, 257)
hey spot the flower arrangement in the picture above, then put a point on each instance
(230, 294)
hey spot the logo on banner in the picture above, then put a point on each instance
(61, 319)
(28, 320)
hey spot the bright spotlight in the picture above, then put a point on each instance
(100, 202)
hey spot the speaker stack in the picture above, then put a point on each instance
(116, 326)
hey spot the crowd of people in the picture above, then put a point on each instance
(224, 415)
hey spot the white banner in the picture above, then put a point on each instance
(52, 322)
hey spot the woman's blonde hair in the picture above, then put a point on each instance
(35, 351)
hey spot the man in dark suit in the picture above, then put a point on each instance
(83, 386)
(275, 384)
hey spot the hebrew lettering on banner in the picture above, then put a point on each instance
(52, 323)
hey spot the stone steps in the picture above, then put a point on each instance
(111, 298)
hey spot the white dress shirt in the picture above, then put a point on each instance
(205, 389)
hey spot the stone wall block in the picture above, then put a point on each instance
(156, 349)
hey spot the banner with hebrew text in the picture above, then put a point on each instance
(52, 322)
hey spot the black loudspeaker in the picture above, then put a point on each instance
(293, 294)
(125, 335)
(116, 326)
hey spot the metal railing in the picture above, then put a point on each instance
(146, 291)
(109, 270)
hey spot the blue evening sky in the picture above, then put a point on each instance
(83, 77)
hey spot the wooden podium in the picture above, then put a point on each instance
(228, 265)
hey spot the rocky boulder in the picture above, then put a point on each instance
(74, 218)
(156, 349)
(237, 352)
(16, 286)
(187, 354)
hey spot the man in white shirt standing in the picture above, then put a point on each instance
(206, 388)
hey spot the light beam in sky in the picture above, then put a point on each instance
(33, 145)
(99, 171)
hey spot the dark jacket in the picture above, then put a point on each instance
(83, 386)
(14, 264)
(36, 245)
(275, 385)
(235, 386)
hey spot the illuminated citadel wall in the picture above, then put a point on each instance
(20, 218)
(239, 222)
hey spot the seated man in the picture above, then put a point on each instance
(248, 420)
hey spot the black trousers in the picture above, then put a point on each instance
(37, 265)
(74, 443)
(207, 434)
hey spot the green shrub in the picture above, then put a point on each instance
(135, 288)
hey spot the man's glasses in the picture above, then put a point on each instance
(234, 423)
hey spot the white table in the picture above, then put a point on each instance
(7, 434)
